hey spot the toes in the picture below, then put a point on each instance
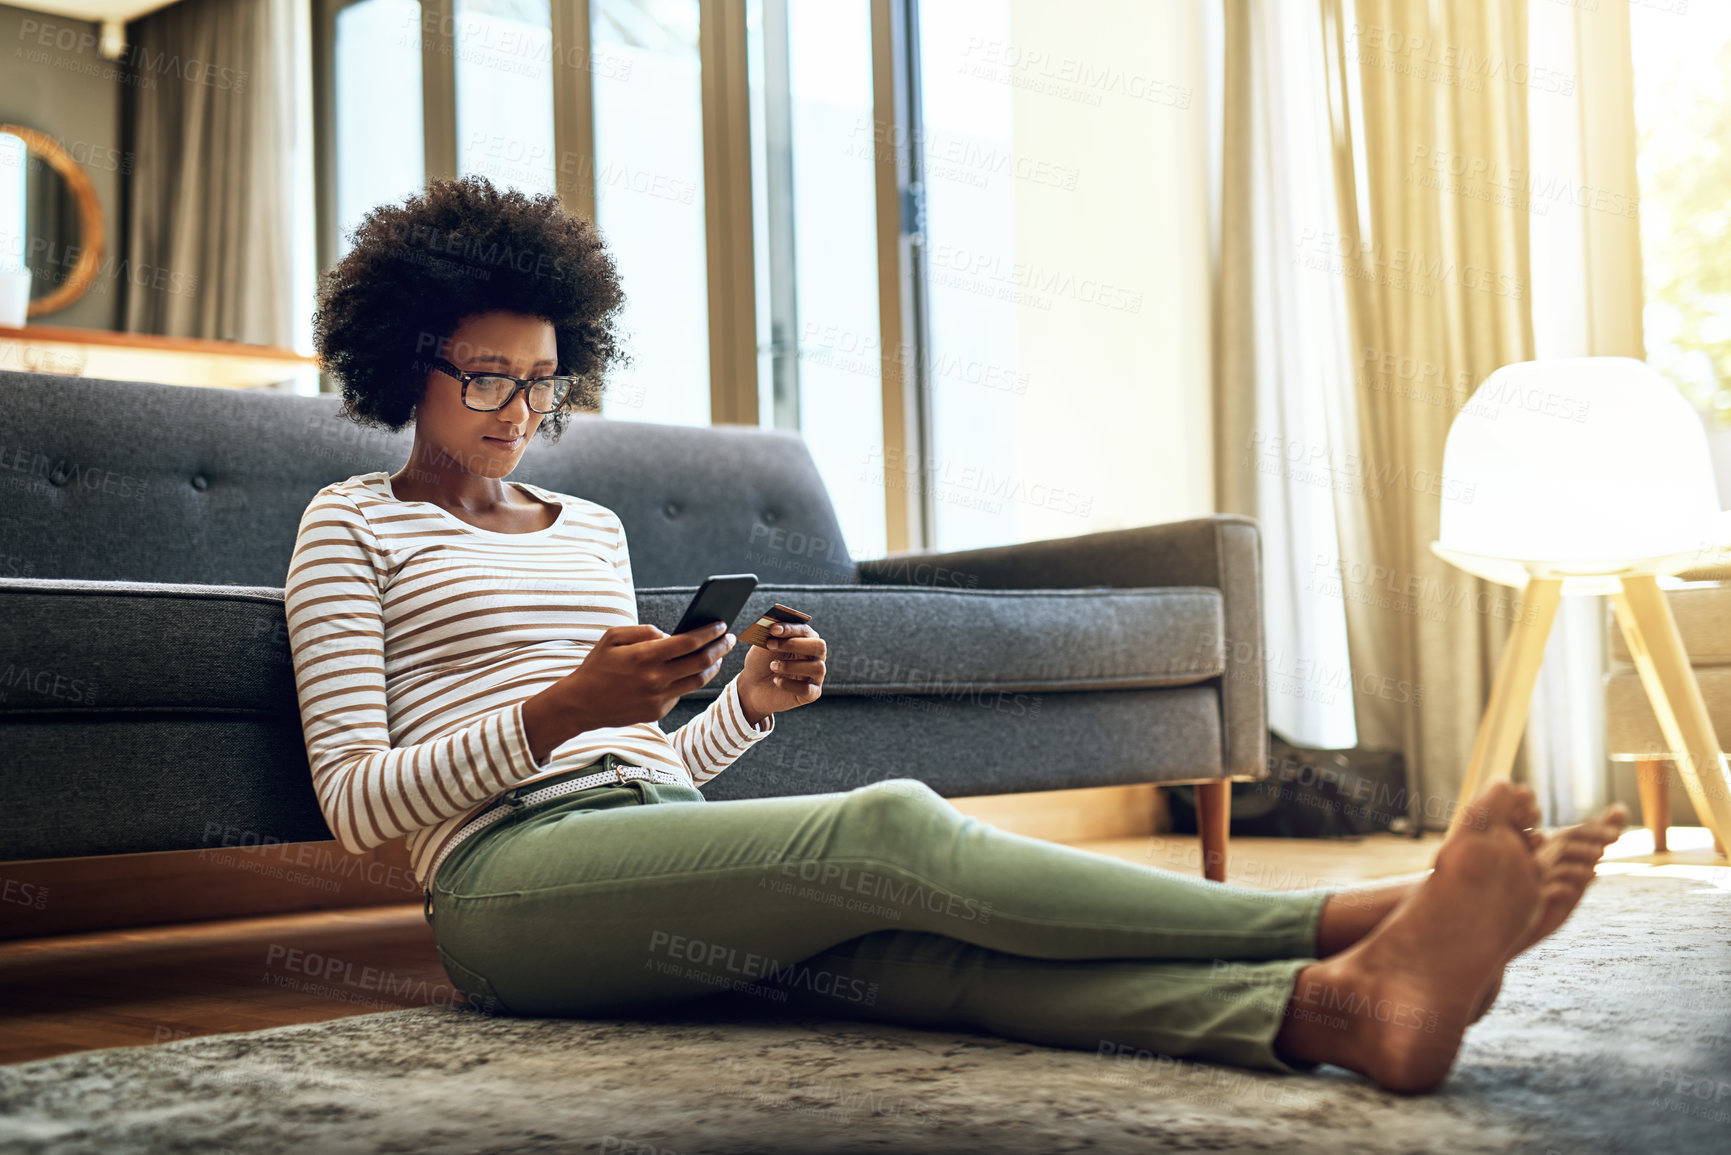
(1589, 838)
(1568, 883)
(1594, 834)
(1608, 824)
(1498, 804)
(1587, 850)
(1526, 809)
(1569, 849)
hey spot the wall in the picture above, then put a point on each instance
(65, 88)
(1119, 95)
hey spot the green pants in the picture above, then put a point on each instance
(881, 902)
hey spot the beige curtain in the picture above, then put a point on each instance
(1437, 275)
(209, 120)
(1235, 408)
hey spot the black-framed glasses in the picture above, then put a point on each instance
(489, 391)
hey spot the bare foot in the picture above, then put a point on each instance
(1566, 864)
(1566, 868)
(1351, 914)
(1526, 814)
(1566, 861)
(1396, 1005)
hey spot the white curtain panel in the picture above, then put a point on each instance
(1586, 301)
(1303, 378)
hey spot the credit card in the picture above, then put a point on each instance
(758, 632)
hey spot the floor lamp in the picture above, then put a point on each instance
(1587, 475)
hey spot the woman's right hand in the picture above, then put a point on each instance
(633, 674)
(636, 673)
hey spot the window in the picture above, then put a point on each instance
(1035, 292)
(377, 66)
(971, 262)
(820, 360)
(1683, 162)
(14, 196)
(1065, 169)
(504, 73)
(649, 202)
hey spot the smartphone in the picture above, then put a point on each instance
(719, 599)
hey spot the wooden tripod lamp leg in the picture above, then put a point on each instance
(1512, 693)
(1657, 650)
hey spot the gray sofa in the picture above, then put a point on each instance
(146, 693)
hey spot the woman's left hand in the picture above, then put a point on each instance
(785, 672)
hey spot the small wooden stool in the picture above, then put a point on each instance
(1653, 779)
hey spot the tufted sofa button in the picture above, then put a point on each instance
(671, 509)
(199, 482)
(60, 474)
(769, 517)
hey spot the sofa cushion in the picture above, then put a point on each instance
(84, 647)
(191, 781)
(139, 782)
(123, 647)
(989, 743)
(1703, 614)
(938, 640)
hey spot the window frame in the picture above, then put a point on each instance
(904, 319)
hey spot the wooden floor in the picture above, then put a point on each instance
(138, 987)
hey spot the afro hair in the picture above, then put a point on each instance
(463, 247)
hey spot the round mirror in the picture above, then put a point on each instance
(50, 219)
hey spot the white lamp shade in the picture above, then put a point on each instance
(1574, 460)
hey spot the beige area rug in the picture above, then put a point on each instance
(1613, 1037)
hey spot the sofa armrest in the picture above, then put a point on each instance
(1223, 551)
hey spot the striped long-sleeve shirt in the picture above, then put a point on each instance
(416, 638)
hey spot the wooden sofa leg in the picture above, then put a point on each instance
(1652, 779)
(1214, 820)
